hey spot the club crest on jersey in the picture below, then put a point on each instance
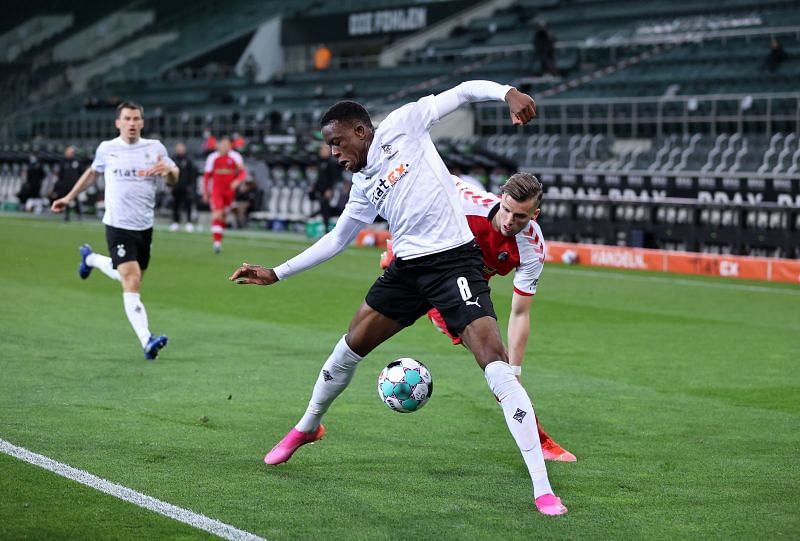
(389, 151)
(383, 185)
(502, 256)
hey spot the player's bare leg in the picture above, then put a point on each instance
(482, 337)
(368, 329)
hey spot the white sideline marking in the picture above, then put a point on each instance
(667, 278)
(174, 512)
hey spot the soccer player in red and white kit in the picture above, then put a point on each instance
(225, 171)
(398, 174)
(505, 228)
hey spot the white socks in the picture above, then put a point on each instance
(518, 411)
(137, 315)
(103, 264)
(334, 378)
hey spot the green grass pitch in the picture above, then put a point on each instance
(679, 396)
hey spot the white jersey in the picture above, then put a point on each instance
(130, 193)
(524, 253)
(406, 182)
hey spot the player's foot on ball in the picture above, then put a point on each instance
(553, 451)
(550, 504)
(84, 270)
(290, 443)
(154, 345)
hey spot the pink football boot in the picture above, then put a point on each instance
(550, 504)
(290, 443)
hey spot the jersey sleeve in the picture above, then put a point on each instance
(415, 118)
(418, 117)
(526, 277)
(331, 244)
(162, 151)
(99, 162)
(359, 207)
(209, 168)
(474, 200)
(237, 158)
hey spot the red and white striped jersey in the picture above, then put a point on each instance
(524, 252)
(222, 170)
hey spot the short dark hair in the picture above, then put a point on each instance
(129, 105)
(524, 187)
(346, 111)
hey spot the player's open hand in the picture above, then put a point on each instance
(161, 168)
(521, 107)
(59, 204)
(254, 274)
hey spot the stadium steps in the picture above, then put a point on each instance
(102, 35)
(120, 56)
(201, 30)
(34, 31)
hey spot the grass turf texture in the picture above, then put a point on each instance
(679, 399)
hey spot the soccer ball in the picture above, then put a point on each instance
(405, 385)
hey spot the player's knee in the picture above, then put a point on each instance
(131, 277)
(487, 359)
(131, 287)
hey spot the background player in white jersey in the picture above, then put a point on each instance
(505, 228)
(130, 165)
(398, 174)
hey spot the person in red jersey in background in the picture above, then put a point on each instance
(225, 171)
(505, 228)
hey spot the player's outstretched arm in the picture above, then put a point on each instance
(521, 106)
(325, 248)
(519, 324)
(87, 178)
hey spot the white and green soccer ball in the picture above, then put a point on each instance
(405, 385)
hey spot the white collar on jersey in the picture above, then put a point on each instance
(373, 165)
(127, 144)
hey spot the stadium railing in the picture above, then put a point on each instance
(746, 214)
(655, 116)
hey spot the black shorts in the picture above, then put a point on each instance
(128, 245)
(451, 281)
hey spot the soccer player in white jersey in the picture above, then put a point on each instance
(398, 174)
(131, 165)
